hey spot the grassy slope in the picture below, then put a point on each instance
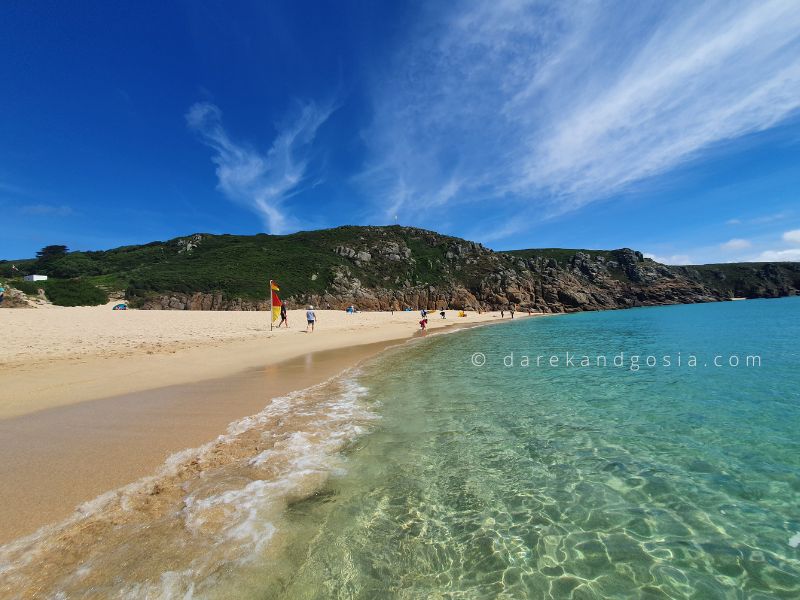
(304, 262)
(240, 266)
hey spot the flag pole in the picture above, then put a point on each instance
(270, 304)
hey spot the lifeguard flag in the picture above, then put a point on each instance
(274, 286)
(276, 306)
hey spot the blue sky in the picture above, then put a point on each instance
(672, 128)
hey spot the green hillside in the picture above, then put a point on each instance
(379, 267)
(240, 266)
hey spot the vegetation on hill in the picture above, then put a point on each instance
(64, 292)
(347, 262)
(240, 266)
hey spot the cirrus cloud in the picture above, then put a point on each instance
(550, 107)
(260, 181)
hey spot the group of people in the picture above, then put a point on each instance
(423, 324)
(511, 311)
(311, 318)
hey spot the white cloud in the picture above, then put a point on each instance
(673, 259)
(792, 236)
(261, 181)
(736, 244)
(788, 255)
(733, 222)
(552, 106)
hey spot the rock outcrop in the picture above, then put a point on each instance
(401, 267)
(423, 269)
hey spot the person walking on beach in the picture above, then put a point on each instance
(502, 313)
(443, 315)
(311, 318)
(511, 310)
(284, 316)
(423, 324)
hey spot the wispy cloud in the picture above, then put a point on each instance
(48, 210)
(673, 259)
(762, 219)
(787, 255)
(553, 106)
(261, 181)
(736, 244)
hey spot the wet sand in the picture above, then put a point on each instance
(60, 356)
(57, 458)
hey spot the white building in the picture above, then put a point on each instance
(35, 277)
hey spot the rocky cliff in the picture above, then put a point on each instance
(399, 267)
(395, 268)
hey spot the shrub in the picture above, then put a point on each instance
(74, 292)
(31, 288)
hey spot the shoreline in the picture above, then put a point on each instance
(64, 356)
(61, 456)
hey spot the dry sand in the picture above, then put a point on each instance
(58, 356)
(92, 399)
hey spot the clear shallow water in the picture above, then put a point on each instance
(559, 482)
(422, 475)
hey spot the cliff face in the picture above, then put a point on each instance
(747, 280)
(622, 280)
(382, 269)
(379, 268)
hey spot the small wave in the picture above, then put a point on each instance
(206, 510)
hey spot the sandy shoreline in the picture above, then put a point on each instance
(60, 356)
(94, 399)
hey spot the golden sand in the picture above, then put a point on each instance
(58, 356)
(96, 400)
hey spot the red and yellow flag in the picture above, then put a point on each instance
(274, 286)
(276, 306)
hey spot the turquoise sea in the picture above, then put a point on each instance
(437, 471)
(570, 482)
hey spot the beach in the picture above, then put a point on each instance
(404, 468)
(93, 399)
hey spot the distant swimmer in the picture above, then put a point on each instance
(311, 318)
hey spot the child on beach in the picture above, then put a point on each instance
(423, 324)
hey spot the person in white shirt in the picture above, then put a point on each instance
(311, 318)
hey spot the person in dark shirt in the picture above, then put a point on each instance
(284, 316)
